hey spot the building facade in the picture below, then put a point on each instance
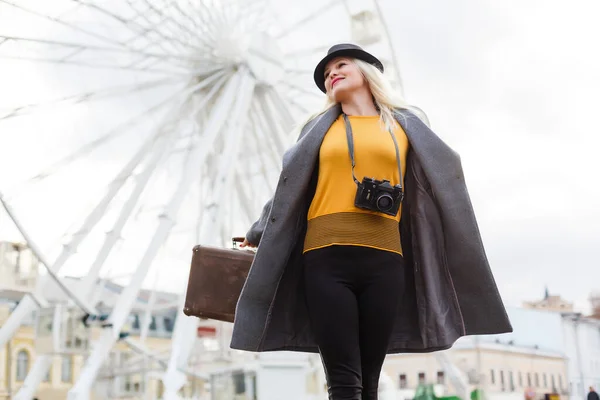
(551, 351)
(125, 375)
(550, 303)
(500, 369)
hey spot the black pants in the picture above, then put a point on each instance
(352, 294)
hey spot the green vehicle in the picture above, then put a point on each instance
(426, 392)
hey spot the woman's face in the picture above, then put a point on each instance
(342, 77)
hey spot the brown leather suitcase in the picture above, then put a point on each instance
(216, 279)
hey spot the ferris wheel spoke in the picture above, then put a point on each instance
(147, 37)
(281, 124)
(299, 71)
(268, 162)
(152, 35)
(131, 24)
(116, 92)
(121, 128)
(187, 15)
(248, 13)
(301, 107)
(270, 150)
(214, 20)
(182, 67)
(96, 65)
(180, 28)
(307, 52)
(302, 22)
(199, 31)
(390, 44)
(25, 307)
(69, 11)
(212, 219)
(93, 218)
(128, 296)
(302, 90)
(149, 27)
(202, 22)
(284, 112)
(267, 124)
(244, 200)
(67, 24)
(162, 147)
(84, 47)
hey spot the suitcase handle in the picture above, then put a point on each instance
(238, 239)
(235, 241)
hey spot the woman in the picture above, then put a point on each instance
(369, 245)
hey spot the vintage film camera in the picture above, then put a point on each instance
(380, 196)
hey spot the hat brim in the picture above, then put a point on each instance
(352, 53)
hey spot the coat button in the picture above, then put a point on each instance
(272, 219)
(285, 179)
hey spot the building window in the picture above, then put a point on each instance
(421, 378)
(554, 388)
(22, 365)
(153, 324)
(502, 381)
(545, 380)
(520, 379)
(47, 377)
(440, 377)
(529, 379)
(536, 376)
(168, 324)
(492, 377)
(66, 372)
(403, 381)
(511, 381)
(560, 384)
(136, 322)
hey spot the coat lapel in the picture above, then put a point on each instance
(303, 156)
(436, 157)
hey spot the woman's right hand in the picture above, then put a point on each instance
(246, 243)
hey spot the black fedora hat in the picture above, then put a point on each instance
(343, 50)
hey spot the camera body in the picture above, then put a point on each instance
(379, 196)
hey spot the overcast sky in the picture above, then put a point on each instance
(513, 87)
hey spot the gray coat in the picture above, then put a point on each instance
(454, 293)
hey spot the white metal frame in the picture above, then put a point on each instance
(223, 95)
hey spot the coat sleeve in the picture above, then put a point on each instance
(256, 230)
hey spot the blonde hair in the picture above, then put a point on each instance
(385, 97)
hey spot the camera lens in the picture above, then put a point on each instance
(385, 202)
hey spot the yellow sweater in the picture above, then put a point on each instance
(332, 217)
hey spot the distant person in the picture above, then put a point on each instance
(592, 395)
(370, 244)
(529, 393)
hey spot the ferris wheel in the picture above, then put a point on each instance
(132, 130)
